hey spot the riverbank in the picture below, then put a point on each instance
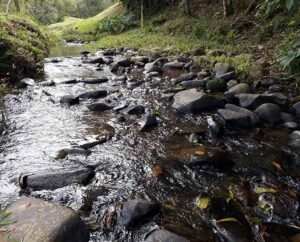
(23, 47)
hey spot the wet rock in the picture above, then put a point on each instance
(121, 119)
(269, 112)
(253, 116)
(72, 151)
(114, 68)
(120, 107)
(149, 120)
(175, 64)
(71, 81)
(135, 212)
(216, 85)
(290, 125)
(214, 127)
(93, 94)
(194, 83)
(155, 68)
(238, 89)
(99, 107)
(84, 53)
(295, 138)
(184, 77)
(235, 119)
(55, 180)
(69, 100)
(193, 101)
(94, 80)
(27, 82)
(252, 101)
(161, 235)
(124, 63)
(287, 117)
(47, 83)
(134, 110)
(38, 220)
(98, 60)
(231, 84)
(228, 76)
(274, 89)
(222, 68)
(296, 109)
(203, 74)
(109, 52)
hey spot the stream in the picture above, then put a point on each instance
(256, 199)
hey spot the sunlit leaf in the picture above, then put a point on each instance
(199, 152)
(254, 220)
(294, 226)
(264, 190)
(224, 220)
(277, 165)
(203, 202)
(169, 206)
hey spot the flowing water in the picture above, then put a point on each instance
(262, 187)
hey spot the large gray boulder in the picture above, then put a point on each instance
(135, 212)
(162, 235)
(235, 119)
(269, 112)
(252, 101)
(55, 180)
(41, 221)
(253, 116)
(238, 89)
(191, 100)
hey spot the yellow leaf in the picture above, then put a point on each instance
(264, 190)
(199, 152)
(277, 165)
(227, 220)
(203, 202)
(169, 206)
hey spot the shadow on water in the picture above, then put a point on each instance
(250, 200)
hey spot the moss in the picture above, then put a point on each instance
(23, 44)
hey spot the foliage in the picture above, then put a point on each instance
(116, 24)
(4, 218)
(291, 61)
(268, 7)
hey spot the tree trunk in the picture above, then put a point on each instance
(227, 8)
(142, 15)
(8, 6)
(17, 4)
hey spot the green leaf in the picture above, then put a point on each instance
(224, 220)
(254, 220)
(264, 190)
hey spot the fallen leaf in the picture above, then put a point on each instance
(277, 165)
(199, 152)
(227, 220)
(203, 202)
(264, 190)
(169, 206)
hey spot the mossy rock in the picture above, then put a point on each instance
(216, 85)
(23, 46)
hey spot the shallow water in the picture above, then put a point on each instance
(153, 165)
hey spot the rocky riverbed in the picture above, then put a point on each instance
(146, 147)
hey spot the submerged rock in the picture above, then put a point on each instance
(134, 110)
(99, 107)
(193, 101)
(27, 82)
(55, 180)
(162, 235)
(94, 80)
(93, 94)
(38, 220)
(72, 151)
(149, 120)
(135, 212)
(69, 100)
